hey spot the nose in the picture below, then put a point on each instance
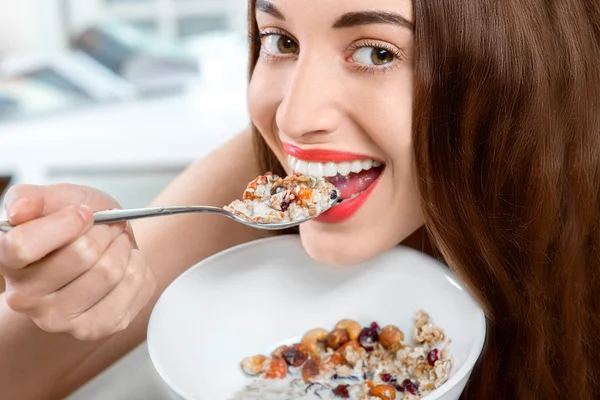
(310, 107)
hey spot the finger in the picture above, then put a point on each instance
(115, 311)
(91, 287)
(26, 202)
(31, 241)
(148, 287)
(62, 267)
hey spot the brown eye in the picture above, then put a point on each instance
(371, 55)
(280, 44)
(381, 56)
(286, 45)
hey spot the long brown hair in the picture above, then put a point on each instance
(507, 146)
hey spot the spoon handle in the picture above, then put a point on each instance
(112, 216)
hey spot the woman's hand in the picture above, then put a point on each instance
(65, 273)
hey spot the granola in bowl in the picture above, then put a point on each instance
(353, 362)
(272, 199)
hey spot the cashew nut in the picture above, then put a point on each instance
(351, 326)
(312, 338)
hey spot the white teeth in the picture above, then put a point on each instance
(315, 169)
(344, 168)
(330, 169)
(301, 167)
(356, 166)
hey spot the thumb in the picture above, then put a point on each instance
(27, 202)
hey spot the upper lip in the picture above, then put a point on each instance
(323, 155)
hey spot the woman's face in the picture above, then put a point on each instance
(332, 95)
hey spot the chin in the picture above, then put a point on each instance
(341, 248)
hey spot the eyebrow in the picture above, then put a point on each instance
(372, 17)
(347, 20)
(269, 8)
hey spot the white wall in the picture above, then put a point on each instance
(30, 26)
(16, 33)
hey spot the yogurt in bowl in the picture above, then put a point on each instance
(253, 298)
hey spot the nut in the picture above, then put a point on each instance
(295, 355)
(337, 338)
(312, 338)
(353, 344)
(254, 365)
(383, 392)
(278, 352)
(390, 335)
(311, 369)
(277, 369)
(351, 326)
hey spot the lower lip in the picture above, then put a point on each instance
(348, 208)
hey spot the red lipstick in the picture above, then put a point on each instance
(322, 155)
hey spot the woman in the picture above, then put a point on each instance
(484, 118)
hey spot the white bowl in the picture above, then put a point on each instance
(249, 298)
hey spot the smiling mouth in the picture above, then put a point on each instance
(351, 178)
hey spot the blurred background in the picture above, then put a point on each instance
(118, 94)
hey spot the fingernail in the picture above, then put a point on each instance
(84, 211)
(18, 206)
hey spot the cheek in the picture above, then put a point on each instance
(392, 129)
(264, 97)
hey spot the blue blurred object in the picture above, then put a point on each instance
(7, 104)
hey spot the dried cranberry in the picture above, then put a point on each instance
(342, 391)
(410, 386)
(399, 387)
(375, 325)
(286, 204)
(367, 338)
(433, 356)
(386, 377)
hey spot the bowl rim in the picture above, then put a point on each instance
(458, 376)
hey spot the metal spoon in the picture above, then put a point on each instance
(112, 216)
